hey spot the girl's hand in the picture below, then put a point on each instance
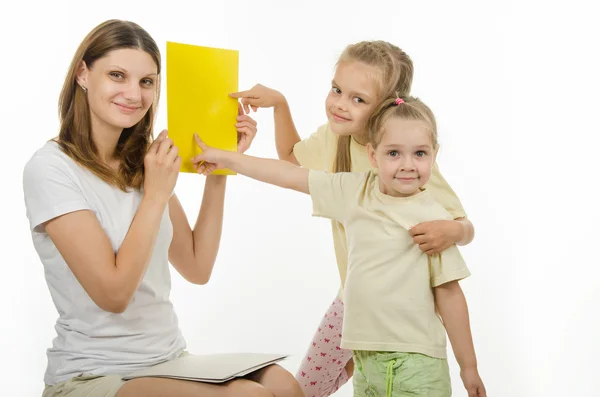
(473, 383)
(434, 237)
(259, 96)
(161, 168)
(246, 128)
(209, 160)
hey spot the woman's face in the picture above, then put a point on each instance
(121, 87)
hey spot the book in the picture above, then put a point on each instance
(209, 368)
(199, 80)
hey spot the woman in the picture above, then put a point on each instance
(106, 224)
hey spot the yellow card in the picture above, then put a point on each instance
(199, 80)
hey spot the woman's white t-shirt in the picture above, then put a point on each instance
(89, 339)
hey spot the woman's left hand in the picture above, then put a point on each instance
(246, 128)
(434, 237)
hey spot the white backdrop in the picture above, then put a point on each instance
(514, 89)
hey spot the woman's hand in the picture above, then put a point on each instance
(434, 237)
(246, 128)
(161, 168)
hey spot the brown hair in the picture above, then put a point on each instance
(396, 77)
(408, 108)
(75, 135)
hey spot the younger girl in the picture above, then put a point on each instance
(366, 73)
(393, 291)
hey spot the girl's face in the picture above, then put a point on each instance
(121, 87)
(352, 98)
(404, 157)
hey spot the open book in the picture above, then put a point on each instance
(210, 368)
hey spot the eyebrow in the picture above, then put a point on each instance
(360, 94)
(125, 70)
(395, 145)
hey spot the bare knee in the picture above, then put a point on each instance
(247, 388)
(279, 381)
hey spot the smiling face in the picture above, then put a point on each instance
(121, 87)
(352, 98)
(404, 156)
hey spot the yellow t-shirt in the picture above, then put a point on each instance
(388, 297)
(318, 151)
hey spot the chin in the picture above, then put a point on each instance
(126, 122)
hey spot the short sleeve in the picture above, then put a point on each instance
(50, 189)
(443, 194)
(334, 195)
(310, 151)
(447, 266)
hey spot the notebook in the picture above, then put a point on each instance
(199, 80)
(210, 368)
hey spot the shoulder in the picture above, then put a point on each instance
(49, 161)
(432, 209)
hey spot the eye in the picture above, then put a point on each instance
(393, 153)
(336, 90)
(358, 100)
(116, 75)
(421, 153)
(148, 82)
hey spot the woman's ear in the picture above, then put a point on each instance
(82, 75)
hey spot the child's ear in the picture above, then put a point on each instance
(371, 154)
(435, 153)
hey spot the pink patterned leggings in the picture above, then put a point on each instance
(322, 371)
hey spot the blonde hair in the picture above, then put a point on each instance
(396, 75)
(408, 108)
(75, 135)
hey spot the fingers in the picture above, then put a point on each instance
(247, 119)
(199, 142)
(240, 94)
(157, 141)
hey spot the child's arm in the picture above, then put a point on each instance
(452, 307)
(276, 172)
(286, 135)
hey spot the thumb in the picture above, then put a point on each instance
(200, 142)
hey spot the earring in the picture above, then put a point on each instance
(84, 89)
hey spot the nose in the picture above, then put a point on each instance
(407, 163)
(341, 103)
(133, 92)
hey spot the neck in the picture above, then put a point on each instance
(360, 139)
(105, 138)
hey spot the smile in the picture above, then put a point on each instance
(339, 118)
(127, 109)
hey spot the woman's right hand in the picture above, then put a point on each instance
(161, 168)
(259, 96)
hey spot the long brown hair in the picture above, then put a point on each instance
(396, 76)
(407, 108)
(75, 135)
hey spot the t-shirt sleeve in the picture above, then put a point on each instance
(50, 190)
(334, 195)
(447, 266)
(443, 194)
(310, 151)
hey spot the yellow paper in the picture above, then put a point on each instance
(199, 80)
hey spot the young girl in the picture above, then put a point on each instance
(366, 73)
(393, 291)
(105, 223)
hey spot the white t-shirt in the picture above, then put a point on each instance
(89, 339)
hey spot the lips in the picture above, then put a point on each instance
(337, 117)
(126, 108)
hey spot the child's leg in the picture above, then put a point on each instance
(391, 374)
(324, 369)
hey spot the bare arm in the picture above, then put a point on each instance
(194, 252)
(467, 231)
(110, 280)
(452, 307)
(286, 135)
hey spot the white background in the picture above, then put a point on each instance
(515, 90)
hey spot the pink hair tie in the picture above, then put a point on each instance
(399, 101)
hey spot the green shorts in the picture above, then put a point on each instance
(393, 374)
